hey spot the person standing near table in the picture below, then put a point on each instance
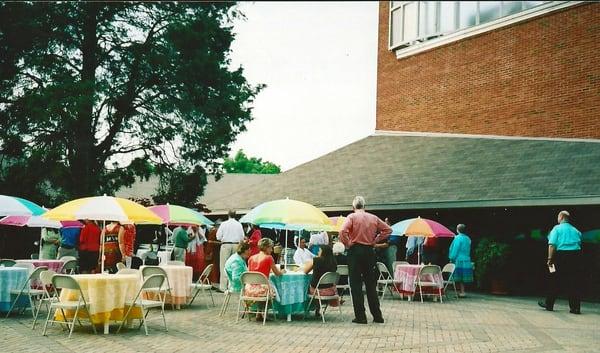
(50, 242)
(460, 255)
(253, 240)
(89, 247)
(194, 256)
(360, 232)
(69, 238)
(564, 264)
(181, 239)
(302, 254)
(230, 234)
(113, 237)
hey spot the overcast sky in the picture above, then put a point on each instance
(318, 61)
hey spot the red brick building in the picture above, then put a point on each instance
(535, 74)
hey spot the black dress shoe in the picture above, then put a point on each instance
(357, 321)
(543, 305)
(378, 320)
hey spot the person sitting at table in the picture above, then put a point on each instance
(236, 265)
(460, 255)
(50, 241)
(302, 254)
(263, 262)
(323, 263)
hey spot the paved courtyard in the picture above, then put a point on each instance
(479, 323)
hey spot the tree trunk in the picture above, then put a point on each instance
(84, 162)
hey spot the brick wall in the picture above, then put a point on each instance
(534, 78)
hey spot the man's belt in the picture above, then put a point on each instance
(229, 242)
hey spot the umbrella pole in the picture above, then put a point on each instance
(102, 234)
(41, 240)
(285, 252)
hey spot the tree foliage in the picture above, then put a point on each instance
(93, 95)
(242, 164)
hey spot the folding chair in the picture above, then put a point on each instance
(203, 285)
(385, 279)
(128, 271)
(156, 270)
(328, 279)
(430, 270)
(34, 256)
(227, 298)
(49, 296)
(69, 266)
(154, 284)
(342, 270)
(448, 275)
(67, 258)
(120, 266)
(26, 289)
(7, 262)
(68, 282)
(255, 278)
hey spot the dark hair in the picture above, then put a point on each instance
(242, 248)
(327, 256)
(231, 213)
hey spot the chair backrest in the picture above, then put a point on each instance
(383, 271)
(35, 256)
(66, 282)
(120, 266)
(153, 270)
(342, 270)
(67, 258)
(430, 270)
(176, 263)
(7, 263)
(449, 268)
(46, 277)
(252, 277)
(70, 264)
(204, 277)
(328, 278)
(128, 271)
(153, 282)
(35, 275)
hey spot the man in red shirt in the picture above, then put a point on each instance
(89, 247)
(360, 232)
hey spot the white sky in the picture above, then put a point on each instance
(319, 63)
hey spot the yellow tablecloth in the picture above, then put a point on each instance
(106, 294)
(180, 279)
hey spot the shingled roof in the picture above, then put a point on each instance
(402, 171)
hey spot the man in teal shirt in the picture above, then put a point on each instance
(564, 263)
(236, 265)
(181, 239)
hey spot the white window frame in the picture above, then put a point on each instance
(408, 48)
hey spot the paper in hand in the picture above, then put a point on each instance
(551, 268)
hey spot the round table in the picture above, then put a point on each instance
(405, 279)
(292, 292)
(12, 278)
(180, 279)
(106, 294)
(54, 265)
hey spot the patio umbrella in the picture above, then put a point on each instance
(103, 208)
(179, 215)
(289, 214)
(337, 222)
(420, 227)
(16, 206)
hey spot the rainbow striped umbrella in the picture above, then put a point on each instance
(421, 227)
(16, 206)
(37, 222)
(179, 215)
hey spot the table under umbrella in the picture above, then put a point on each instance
(420, 227)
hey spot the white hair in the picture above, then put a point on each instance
(358, 202)
(338, 248)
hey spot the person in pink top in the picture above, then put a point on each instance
(360, 232)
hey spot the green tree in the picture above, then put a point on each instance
(242, 164)
(93, 95)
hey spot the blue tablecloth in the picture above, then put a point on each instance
(12, 278)
(292, 289)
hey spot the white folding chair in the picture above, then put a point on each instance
(342, 270)
(259, 279)
(203, 285)
(69, 266)
(69, 283)
(49, 296)
(128, 271)
(120, 266)
(228, 293)
(157, 270)
(67, 258)
(32, 294)
(423, 281)
(448, 275)
(328, 279)
(154, 284)
(385, 280)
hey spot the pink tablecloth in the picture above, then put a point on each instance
(54, 265)
(405, 277)
(180, 279)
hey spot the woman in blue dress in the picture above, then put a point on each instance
(460, 256)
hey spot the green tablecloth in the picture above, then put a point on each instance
(292, 290)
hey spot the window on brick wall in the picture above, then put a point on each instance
(416, 22)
